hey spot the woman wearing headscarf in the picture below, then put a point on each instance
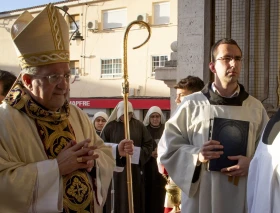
(154, 181)
(99, 120)
(114, 132)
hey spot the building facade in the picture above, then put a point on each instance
(254, 24)
(97, 61)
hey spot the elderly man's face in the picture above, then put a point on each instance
(49, 94)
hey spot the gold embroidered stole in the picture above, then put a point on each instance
(55, 132)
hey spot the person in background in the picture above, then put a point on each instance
(184, 87)
(154, 181)
(113, 132)
(7, 80)
(51, 157)
(187, 86)
(189, 147)
(99, 120)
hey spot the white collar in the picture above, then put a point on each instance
(235, 93)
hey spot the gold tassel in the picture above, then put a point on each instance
(230, 178)
(235, 180)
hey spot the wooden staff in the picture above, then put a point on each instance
(125, 86)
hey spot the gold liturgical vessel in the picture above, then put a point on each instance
(174, 195)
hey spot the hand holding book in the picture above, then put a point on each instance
(240, 169)
(233, 135)
(210, 150)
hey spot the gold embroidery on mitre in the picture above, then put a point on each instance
(56, 28)
(41, 40)
(44, 58)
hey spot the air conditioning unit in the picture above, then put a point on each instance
(143, 17)
(92, 25)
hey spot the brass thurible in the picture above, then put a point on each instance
(174, 195)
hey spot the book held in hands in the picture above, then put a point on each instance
(233, 135)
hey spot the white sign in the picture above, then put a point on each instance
(80, 103)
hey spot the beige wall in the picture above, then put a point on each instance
(104, 44)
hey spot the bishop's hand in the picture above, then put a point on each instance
(76, 156)
(125, 146)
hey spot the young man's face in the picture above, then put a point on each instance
(227, 65)
(180, 95)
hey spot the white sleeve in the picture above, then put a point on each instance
(260, 181)
(160, 150)
(114, 148)
(114, 152)
(180, 155)
(48, 196)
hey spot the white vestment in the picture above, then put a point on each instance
(263, 189)
(185, 133)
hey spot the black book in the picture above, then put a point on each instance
(233, 135)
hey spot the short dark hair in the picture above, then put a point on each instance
(191, 83)
(7, 80)
(218, 43)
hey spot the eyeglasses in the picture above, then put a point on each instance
(229, 58)
(56, 79)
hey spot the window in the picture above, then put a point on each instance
(161, 13)
(111, 68)
(74, 67)
(158, 61)
(72, 25)
(114, 18)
